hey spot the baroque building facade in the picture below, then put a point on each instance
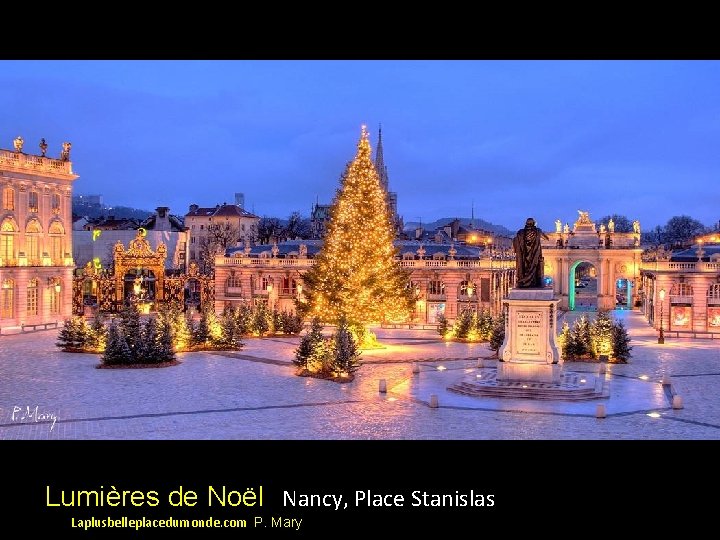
(681, 290)
(447, 278)
(36, 264)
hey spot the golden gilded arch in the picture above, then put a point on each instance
(140, 255)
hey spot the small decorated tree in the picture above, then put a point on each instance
(231, 336)
(117, 351)
(347, 354)
(579, 343)
(72, 334)
(462, 324)
(130, 325)
(165, 347)
(620, 342)
(97, 335)
(148, 350)
(201, 333)
(443, 325)
(601, 334)
(262, 320)
(244, 317)
(291, 323)
(308, 344)
(497, 335)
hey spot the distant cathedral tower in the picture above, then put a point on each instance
(384, 182)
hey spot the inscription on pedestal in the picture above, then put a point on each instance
(529, 324)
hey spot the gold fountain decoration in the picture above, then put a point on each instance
(140, 255)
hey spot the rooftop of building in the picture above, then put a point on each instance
(691, 254)
(292, 248)
(220, 210)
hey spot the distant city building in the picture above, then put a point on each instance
(385, 183)
(96, 241)
(448, 278)
(88, 199)
(240, 200)
(320, 213)
(203, 223)
(36, 262)
(455, 232)
(319, 219)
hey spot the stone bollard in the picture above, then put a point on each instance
(602, 369)
(383, 386)
(677, 402)
(666, 380)
(433, 401)
(480, 363)
(600, 411)
(416, 368)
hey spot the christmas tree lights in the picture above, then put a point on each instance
(356, 274)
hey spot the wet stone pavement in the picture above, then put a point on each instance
(254, 394)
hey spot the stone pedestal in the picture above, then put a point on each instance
(530, 352)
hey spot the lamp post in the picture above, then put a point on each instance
(661, 336)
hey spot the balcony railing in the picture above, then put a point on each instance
(411, 263)
(668, 266)
(28, 163)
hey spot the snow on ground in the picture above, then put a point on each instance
(257, 396)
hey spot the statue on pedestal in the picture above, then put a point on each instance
(18, 143)
(65, 154)
(529, 264)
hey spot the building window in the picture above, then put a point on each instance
(201, 227)
(7, 241)
(467, 288)
(484, 289)
(56, 233)
(192, 254)
(32, 244)
(289, 286)
(33, 202)
(233, 286)
(192, 227)
(55, 299)
(436, 287)
(192, 240)
(8, 198)
(264, 283)
(32, 297)
(242, 227)
(55, 203)
(7, 300)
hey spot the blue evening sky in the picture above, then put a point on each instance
(520, 138)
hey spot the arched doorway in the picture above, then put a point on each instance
(583, 286)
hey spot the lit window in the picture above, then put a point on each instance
(8, 198)
(55, 203)
(436, 287)
(33, 201)
(32, 297)
(7, 300)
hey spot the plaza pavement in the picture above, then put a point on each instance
(254, 394)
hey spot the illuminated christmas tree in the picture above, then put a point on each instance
(356, 274)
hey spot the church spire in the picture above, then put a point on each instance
(380, 161)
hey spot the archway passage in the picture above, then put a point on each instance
(582, 287)
(623, 293)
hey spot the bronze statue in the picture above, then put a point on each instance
(529, 263)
